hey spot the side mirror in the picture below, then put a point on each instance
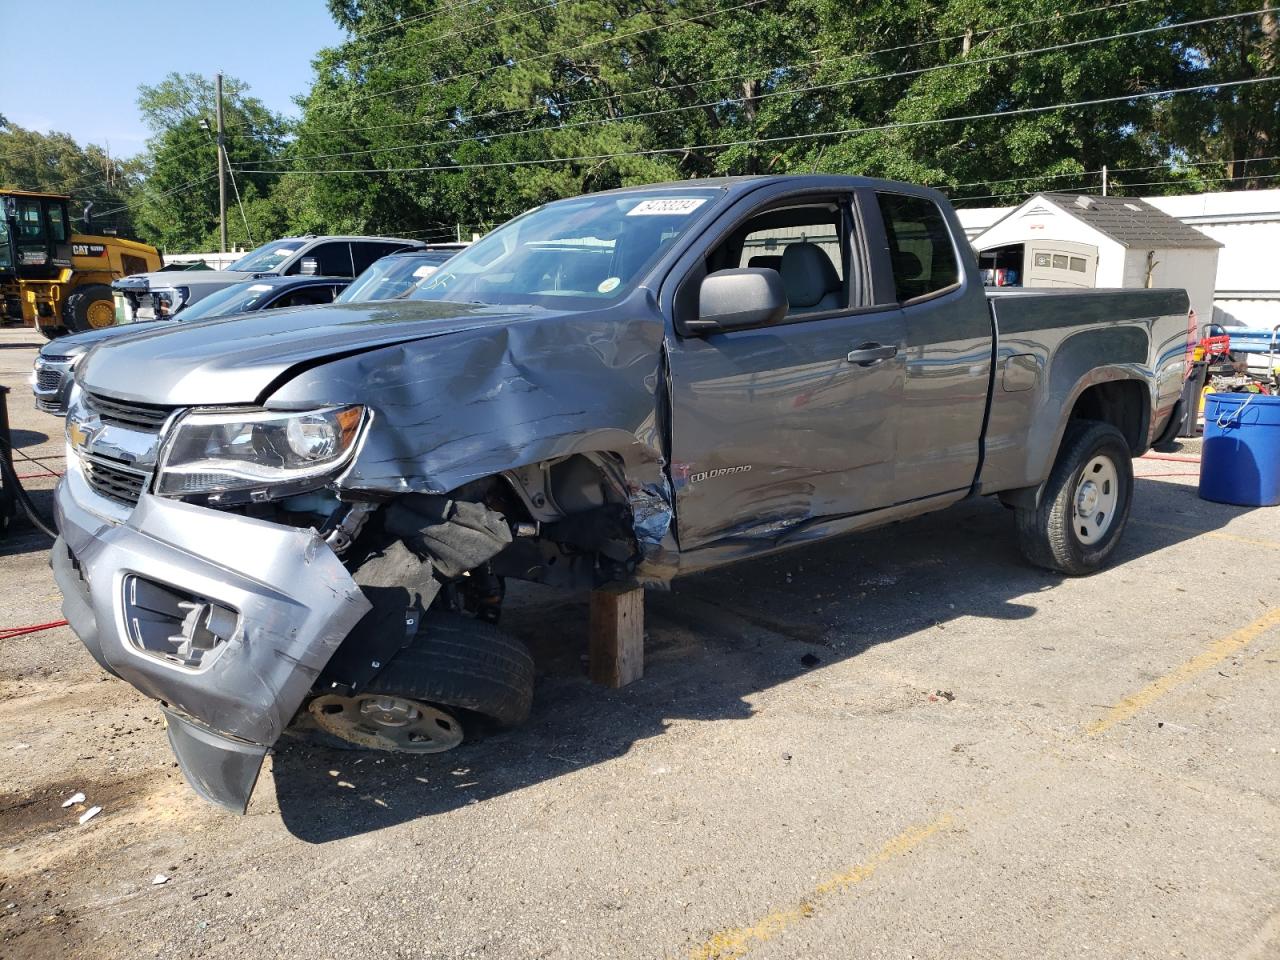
(310, 267)
(734, 299)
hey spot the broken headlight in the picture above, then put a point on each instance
(262, 452)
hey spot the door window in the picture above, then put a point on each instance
(333, 259)
(805, 244)
(57, 226)
(920, 248)
(364, 253)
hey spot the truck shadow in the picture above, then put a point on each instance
(713, 642)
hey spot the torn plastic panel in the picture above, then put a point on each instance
(293, 600)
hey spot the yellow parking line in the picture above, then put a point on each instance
(735, 942)
(1214, 654)
(1216, 535)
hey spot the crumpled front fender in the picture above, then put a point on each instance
(284, 604)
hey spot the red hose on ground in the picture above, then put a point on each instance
(8, 633)
(36, 476)
(1160, 456)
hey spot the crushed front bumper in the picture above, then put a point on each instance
(226, 620)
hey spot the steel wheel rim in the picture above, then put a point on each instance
(1096, 500)
(382, 722)
(101, 313)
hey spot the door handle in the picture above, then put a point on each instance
(869, 354)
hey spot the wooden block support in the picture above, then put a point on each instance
(617, 635)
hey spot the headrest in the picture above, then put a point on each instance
(907, 266)
(807, 274)
(766, 262)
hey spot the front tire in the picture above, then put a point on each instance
(1085, 502)
(90, 307)
(455, 671)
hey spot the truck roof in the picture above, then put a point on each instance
(801, 180)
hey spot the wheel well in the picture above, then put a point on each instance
(1121, 403)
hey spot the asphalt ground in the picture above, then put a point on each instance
(907, 744)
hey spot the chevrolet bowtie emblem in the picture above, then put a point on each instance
(76, 434)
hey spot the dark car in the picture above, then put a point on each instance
(51, 380)
(393, 275)
(152, 296)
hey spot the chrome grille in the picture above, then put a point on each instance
(116, 483)
(127, 413)
(48, 380)
(54, 358)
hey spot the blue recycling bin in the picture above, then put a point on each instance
(1241, 459)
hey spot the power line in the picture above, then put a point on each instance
(431, 15)
(1119, 185)
(159, 196)
(857, 81)
(492, 115)
(1173, 165)
(795, 137)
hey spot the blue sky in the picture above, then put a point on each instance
(75, 65)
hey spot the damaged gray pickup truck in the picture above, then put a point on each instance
(312, 514)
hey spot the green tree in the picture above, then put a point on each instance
(55, 163)
(177, 209)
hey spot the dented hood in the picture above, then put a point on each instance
(236, 359)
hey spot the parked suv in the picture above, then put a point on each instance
(153, 296)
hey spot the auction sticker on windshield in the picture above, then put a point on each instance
(667, 207)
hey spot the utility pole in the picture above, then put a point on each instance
(222, 175)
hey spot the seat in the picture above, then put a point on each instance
(810, 279)
(766, 262)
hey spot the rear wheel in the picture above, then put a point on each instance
(456, 667)
(1085, 503)
(90, 307)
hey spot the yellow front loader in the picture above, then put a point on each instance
(52, 279)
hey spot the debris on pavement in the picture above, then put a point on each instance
(159, 879)
(73, 800)
(89, 814)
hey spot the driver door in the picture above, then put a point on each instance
(778, 426)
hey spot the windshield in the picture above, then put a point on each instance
(267, 257)
(236, 298)
(392, 276)
(573, 254)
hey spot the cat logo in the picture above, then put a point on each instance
(88, 250)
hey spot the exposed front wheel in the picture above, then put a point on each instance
(379, 722)
(1085, 503)
(456, 668)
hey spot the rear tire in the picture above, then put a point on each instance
(1085, 502)
(90, 307)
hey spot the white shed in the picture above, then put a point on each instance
(1069, 240)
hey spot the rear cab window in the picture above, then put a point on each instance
(921, 252)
